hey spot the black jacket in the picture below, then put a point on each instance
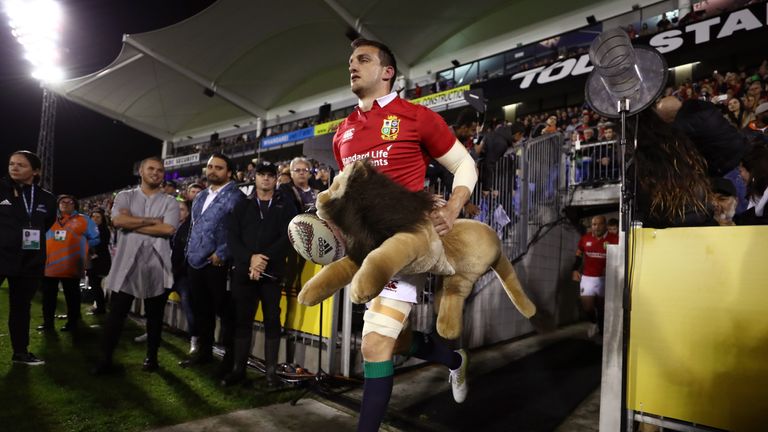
(178, 248)
(101, 264)
(13, 219)
(721, 144)
(249, 234)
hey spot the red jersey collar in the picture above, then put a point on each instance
(381, 102)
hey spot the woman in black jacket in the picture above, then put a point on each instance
(101, 260)
(26, 213)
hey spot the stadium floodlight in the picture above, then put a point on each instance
(36, 25)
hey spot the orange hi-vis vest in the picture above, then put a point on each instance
(67, 243)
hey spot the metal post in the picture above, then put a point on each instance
(346, 334)
(45, 138)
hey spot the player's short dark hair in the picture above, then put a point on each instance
(386, 58)
(613, 222)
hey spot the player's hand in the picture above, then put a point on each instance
(576, 276)
(442, 219)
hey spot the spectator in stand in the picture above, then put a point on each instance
(736, 115)
(664, 23)
(305, 194)
(755, 90)
(170, 188)
(147, 217)
(192, 191)
(322, 179)
(749, 104)
(27, 211)
(250, 173)
(67, 246)
(550, 126)
(589, 136)
(723, 201)
(101, 261)
(753, 169)
(589, 271)
(757, 131)
(492, 148)
(258, 239)
(240, 176)
(284, 178)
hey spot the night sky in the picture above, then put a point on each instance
(93, 154)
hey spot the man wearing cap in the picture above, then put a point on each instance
(67, 243)
(258, 242)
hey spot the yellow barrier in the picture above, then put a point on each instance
(699, 326)
(298, 317)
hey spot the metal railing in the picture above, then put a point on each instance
(592, 164)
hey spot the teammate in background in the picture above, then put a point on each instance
(613, 226)
(399, 138)
(591, 252)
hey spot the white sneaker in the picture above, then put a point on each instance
(194, 345)
(142, 338)
(458, 378)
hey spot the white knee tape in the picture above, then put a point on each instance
(378, 321)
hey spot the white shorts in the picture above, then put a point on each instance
(388, 313)
(592, 286)
(405, 288)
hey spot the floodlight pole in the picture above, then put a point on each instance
(45, 139)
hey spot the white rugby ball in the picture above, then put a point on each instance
(314, 239)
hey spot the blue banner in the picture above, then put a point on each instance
(298, 135)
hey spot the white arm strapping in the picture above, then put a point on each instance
(458, 161)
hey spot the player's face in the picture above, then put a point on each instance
(151, 173)
(217, 171)
(20, 170)
(613, 229)
(598, 226)
(366, 74)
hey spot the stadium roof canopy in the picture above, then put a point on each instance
(240, 58)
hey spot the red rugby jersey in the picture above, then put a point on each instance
(594, 251)
(398, 138)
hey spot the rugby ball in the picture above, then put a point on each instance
(314, 239)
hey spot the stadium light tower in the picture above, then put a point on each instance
(36, 25)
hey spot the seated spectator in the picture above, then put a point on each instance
(737, 115)
(303, 193)
(754, 171)
(550, 126)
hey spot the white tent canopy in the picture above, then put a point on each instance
(256, 55)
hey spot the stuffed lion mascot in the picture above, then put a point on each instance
(387, 231)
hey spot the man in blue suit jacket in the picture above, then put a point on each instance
(208, 257)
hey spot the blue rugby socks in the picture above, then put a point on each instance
(377, 388)
(425, 347)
